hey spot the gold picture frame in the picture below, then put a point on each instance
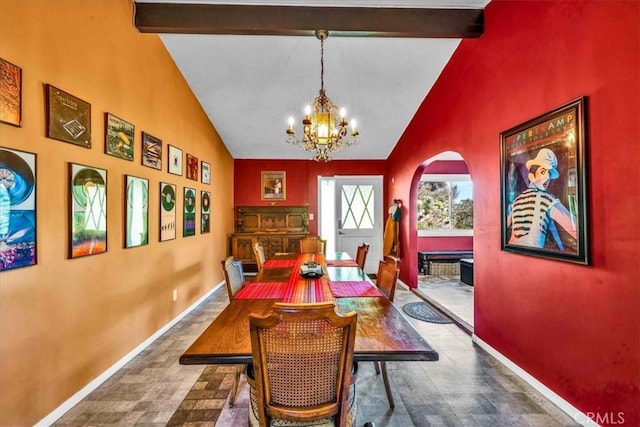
(273, 185)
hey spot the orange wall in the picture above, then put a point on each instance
(574, 328)
(302, 179)
(64, 322)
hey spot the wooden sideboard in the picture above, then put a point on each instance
(277, 228)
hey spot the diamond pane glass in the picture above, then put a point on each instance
(357, 206)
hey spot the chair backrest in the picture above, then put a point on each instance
(258, 253)
(233, 276)
(361, 254)
(313, 245)
(302, 359)
(387, 277)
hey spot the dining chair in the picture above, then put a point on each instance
(313, 245)
(386, 281)
(234, 280)
(302, 366)
(361, 254)
(258, 254)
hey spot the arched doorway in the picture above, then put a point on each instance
(444, 227)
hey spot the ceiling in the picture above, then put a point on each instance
(253, 64)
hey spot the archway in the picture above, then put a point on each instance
(442, 226)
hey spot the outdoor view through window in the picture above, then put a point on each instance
(445, 205)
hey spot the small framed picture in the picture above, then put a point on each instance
(151, 151)
(274, 185)
(175, 160)
(88, 219)
(167, 211)
(192, 167)
(118, 136)
(137, 211)
(10, 93)
(205, 212)
(206, 172)
(189, 217)
(68, 117)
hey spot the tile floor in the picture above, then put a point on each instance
(466, 387)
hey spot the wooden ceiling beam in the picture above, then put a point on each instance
(182, 18)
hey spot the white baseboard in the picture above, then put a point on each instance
(578, 416)
(84, 392)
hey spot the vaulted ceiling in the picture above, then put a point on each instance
(253, 64)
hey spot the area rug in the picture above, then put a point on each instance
(422, 311)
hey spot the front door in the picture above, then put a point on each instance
(358, 205)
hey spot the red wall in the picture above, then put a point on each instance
(574, 328)
(301, 180)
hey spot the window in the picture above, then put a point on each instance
(445, 205)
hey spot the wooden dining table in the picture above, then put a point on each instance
(383, 333)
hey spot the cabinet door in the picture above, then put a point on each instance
(242, 249)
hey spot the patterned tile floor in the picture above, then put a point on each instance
(466, 387)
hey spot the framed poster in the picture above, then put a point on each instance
(167, 211)
(274, 185)
(189, 217)
(151, 151)
(544, 186)
(175, 160)
(88, 206)
(10, 93)
(17, 209)
(205, 212)
(192, 167)
(118, 136)
(206, 172)
(68, 117)
(137, 211)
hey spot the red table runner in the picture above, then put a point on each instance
(280, 263)
(354, 289)
(263, 290)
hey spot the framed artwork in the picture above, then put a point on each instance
(118, 136)
(167, 211)
(68, 117)
(175, 160)
(189, 217)
(205, 212)
(274, 185)
(88, 207)
(151, 151)
(544, 186)
(206, 172)
(192, 167)
(137, 211)
(17, 209)
(10, 93)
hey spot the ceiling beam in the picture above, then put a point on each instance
(182, 18)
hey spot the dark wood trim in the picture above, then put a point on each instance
(305, 20)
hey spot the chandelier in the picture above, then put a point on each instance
(325, 129)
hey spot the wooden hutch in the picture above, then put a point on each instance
(277, 228)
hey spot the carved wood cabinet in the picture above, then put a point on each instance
(277, 228)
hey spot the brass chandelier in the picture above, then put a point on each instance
(325, 129)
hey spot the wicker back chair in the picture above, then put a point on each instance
(233, 276)
(234, 280)
(302, 360)
(258, 254)
(361, 254)
(386, 281)
(313, 245)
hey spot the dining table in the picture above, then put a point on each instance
(383, 332)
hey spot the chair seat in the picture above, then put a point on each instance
(324, 422)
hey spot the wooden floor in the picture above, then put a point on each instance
(466, 387)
